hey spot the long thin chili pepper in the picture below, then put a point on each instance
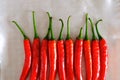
(95, 54)
(61, 55)
(43, 56)
(28, 54)
(78, 56)
(52, 54)
(103, 54)
(87, 53)
(36, 52)
(69, 54)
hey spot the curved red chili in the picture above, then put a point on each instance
(28, 54)
(36, 52)
(103, 54)
(43, 56)
(87, 53)
(69, 54)
(78, 56)
(61, 55)
(52, 54)
(95, 54)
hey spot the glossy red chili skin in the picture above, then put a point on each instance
(43, 59)
(103, 59)
(95, 59)
(27, 63)
(35, 59)
(52, 58)
(61, 60)
(69, 59)
(78, 58)
(88, 58)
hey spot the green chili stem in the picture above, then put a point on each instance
(48, 14)
(60, 36)
(20, 29)
(47, 35)
(52, 34)
(86, 33)
(68, 28)
(34, 24)
(99, 35)
(80, 34)
(93, 32)
(49, 18)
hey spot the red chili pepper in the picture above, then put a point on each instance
(87, 53)
(103, 54)
(95, 54)
(78, 56)
(43, 56)
(69, 54)
(61, 55)
(36, 52)
(52, 54)
(28, 54)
